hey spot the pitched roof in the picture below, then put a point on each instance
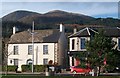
(44, 36)
(108, 31)
(86, 32)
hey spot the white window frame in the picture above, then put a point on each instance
(45, 61)
(73, 44)
(83, 49)
(45, 49)
(30, 50)
(15, 50)
(15, 62)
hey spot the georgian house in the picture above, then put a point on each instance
(48, 45)
(78, 39)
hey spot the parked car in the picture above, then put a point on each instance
(78, 69)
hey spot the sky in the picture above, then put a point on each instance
(108, 8)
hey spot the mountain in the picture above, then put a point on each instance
(56, 16)
(15, 16)
(50, 20)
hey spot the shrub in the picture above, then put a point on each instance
(37, 68)
(26, 68)
(9, 68)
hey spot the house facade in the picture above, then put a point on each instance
(78, 39)
(48, 45)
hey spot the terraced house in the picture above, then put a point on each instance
(78, 39)
(48, 45)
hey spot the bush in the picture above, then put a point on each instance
(9, 68)
(37, 68)
(26, 68)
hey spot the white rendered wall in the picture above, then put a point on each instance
(23, 53)
(77, 43)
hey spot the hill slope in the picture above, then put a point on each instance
(15, 16)
(55, 16)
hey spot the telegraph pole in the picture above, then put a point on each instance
(33, 47)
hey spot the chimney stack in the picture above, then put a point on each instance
(61, 28)
(74, 30)
(14, 30)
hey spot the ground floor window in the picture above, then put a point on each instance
(45, 61)
(16, 62)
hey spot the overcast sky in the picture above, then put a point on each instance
(108, 8)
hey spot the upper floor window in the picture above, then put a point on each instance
(82, 43)
(45, 61)
(119, 43)
(15, 51)
(29, 49)
(45, 49)
(73, 44)
(16, 62)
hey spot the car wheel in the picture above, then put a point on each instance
(74, 72)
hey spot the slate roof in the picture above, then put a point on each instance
(40, 36)
(111, 31)
(85, 32)
(88, 31)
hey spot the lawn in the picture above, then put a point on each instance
(26, 76)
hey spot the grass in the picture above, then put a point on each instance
(37, 76)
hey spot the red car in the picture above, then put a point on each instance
(78, 69)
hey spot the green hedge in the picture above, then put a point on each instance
(26, 68)
(8, 68)
(37, 68)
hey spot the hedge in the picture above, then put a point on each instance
(9, 68)
(37, 68)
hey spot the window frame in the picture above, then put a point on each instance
(15, 60)
(119, 43)
(73, 44)
(81, 43)
(45, 61)
(30, 49)
(45, 49)
(15, 50)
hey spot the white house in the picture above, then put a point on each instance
(48, 45)
(77, 40)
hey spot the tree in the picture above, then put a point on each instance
(99, 47)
